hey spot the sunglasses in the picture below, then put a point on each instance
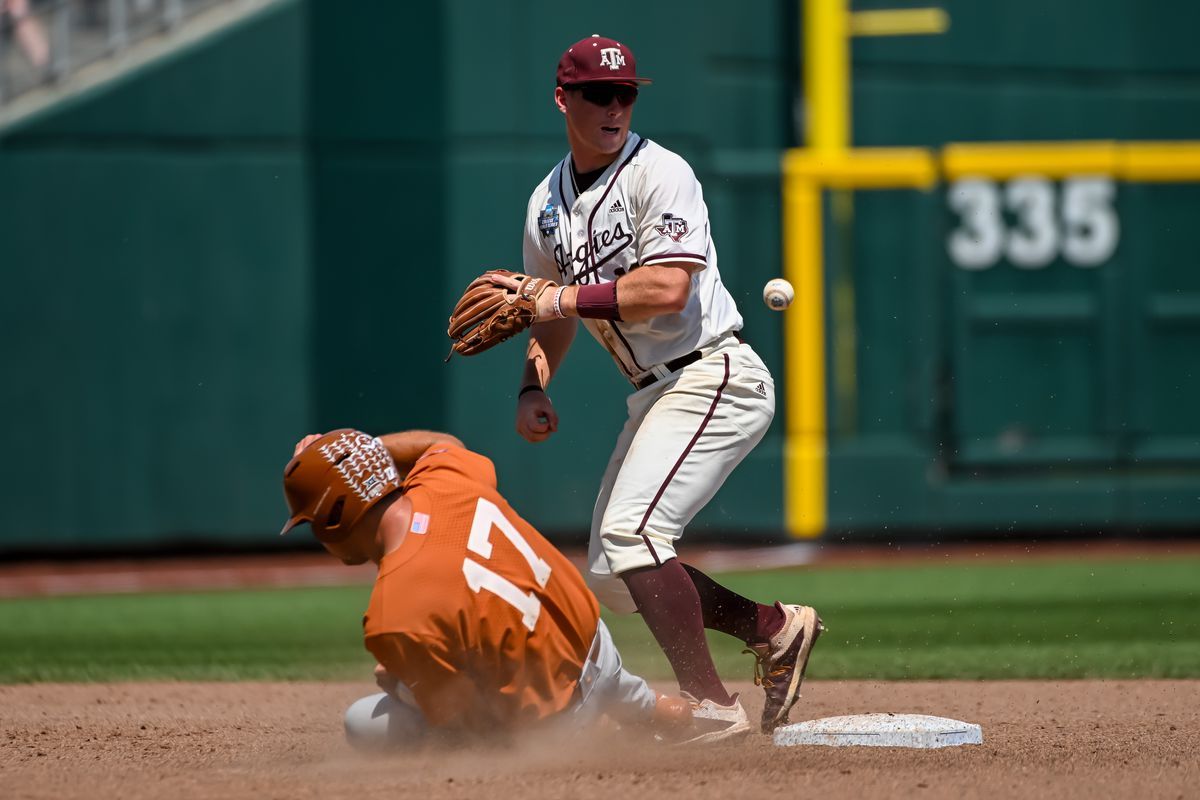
(601, 94)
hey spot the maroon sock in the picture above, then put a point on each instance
(728, 612)
(668, 602)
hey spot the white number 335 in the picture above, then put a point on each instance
(1085, 230)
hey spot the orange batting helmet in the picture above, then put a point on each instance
(335, 480)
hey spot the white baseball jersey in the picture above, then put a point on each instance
(646, 208)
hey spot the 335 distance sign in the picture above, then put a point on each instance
(1031, 221)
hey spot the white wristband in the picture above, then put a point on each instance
(558, 308)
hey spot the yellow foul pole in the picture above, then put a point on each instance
(829, 161)
(827, 126)
(827, 74)
(804, 323)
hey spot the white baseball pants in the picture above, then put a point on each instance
(684, 435)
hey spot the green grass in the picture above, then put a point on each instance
(229, 635)
(1127, 619)
(1112, 619)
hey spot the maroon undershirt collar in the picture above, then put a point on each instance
(582, 181)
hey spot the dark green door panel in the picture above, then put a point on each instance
(1163, 326)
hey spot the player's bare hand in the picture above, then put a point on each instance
(536, 418)
(305, 442)
(385, 680)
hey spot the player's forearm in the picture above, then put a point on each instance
(652, 291)
(548, 345)
(642, 294)
(407, 446)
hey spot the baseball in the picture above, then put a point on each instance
(778, 294)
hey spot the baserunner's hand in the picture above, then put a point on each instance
(305, 442)
(385, 680)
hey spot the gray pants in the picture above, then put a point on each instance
(382, 720)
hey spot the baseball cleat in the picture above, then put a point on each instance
(779, 663)
(714, 723)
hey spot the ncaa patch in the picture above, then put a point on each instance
(548, 220)
(420, 522)
(673, 227)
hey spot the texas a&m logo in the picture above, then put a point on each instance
(673, 227)
(612, 58)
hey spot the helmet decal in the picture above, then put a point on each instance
(336, 480)
(363, 462)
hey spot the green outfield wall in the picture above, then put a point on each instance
(1047, 380)
(261, 236)
(157, 295)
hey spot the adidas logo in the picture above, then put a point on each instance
(761, 389)
(616, 207)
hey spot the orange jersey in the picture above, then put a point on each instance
(483, 619)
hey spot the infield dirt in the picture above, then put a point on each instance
(1072, 739)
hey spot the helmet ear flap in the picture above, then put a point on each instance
(331, 528)
(334, 517)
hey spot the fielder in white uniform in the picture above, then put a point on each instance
(688, 427)
(621, 223)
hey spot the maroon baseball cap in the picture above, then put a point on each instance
(597, 60)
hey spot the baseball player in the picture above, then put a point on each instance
(621, 231)
(475, 619)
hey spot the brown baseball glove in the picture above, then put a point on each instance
(495, 307)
